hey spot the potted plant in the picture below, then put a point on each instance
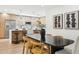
(40, 25)
(42, 30)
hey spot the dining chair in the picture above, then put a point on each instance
(76, 47)
(24, 41)
(75, 50)
(27, 44)
(58, 37)
(40, 48)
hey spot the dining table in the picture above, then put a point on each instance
(55, 44)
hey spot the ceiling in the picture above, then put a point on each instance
(32, 10)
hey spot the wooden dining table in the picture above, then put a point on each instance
(55, 44)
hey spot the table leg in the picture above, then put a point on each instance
(52, 49)
(59, 48)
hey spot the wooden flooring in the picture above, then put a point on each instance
(7, 48)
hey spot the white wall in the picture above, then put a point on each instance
(67, 33)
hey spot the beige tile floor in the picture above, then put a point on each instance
(7, 48)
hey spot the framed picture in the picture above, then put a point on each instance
(71, 20)
(58, 21)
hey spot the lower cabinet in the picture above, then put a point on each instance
(17, 36)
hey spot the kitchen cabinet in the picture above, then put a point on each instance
(17, 36)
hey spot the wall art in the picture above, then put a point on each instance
(71, 20)
(58, 21)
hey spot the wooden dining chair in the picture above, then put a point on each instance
(27, 44)
(40, 48)
(24, 41)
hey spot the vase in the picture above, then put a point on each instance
(42, 33)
